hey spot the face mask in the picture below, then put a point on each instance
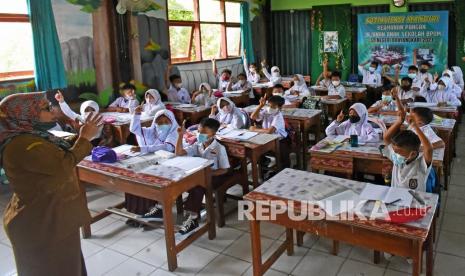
(354, 119)
(423, 70)
(128, 97)
(398, 159)
(241, 82)
(275, 74)
(336, 83)
(441, 87)
(386, 98)
(150, 100)
(412, 75)
(202, 138)
(163, 128)
(178, 85)
(277, 94)
(44, 126)
(371, 69)
(225, 78)
(270, 110)
(253, 70)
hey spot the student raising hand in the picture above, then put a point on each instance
(340, 116)
(138, 109)
(262, 101)
(59, 97)
(214, 109)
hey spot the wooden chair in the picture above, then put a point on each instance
(237, 175)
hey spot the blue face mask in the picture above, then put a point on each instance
(163, 128)
(398, 159)
(386, 98)
(202, 138)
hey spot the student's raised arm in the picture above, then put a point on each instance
(319, 79)
(396, 92)
(265, 70)
(255, 115)
(214, 68)
(65, 107)
(325, 67)
(395, 128)
(425, 143)
(415, 57)
(246, 65)
(179, 149)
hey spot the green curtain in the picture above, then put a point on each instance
(246, 32)
(49, 68)
(332, 18)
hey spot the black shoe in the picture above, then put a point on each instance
(154, 214)
(189, 225)
(132, 223)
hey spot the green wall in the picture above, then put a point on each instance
(308, 4)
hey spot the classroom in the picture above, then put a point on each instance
(232, 137)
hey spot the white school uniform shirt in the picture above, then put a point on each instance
(392, 106)
(151, 139)
(325, 82)
(411, 176)
(339, 90)
(433, 95)
(429, 133)
(222, 84)
(299, 86)
(214, 152)
(273, 120)
(125, 103)
(252, 77)
(371, 79)
(179, 96)
(422, 77)
(416, 82)
(247, 86)
(458, 75)
(405, 95)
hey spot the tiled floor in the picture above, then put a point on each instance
(115, 249)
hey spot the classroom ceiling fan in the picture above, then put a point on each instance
(136, 6)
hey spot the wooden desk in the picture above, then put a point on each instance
(255, 148)
(295, 189)
(121, 125)
(449, 112)
(306, 119)
(286, 81)
(354, 94)
(164, 190)
(363, 159)
(261, 89)
(446, 129)
(191, 115)
(333, 107)
(239, 99)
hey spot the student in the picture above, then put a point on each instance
(370, 76)
(250, 70)
(228, 114)
(406, 94)
(324, 79)
(278, 90)
(176, 92)
(454, 88)
(458, 76)
(423, 116)
(209, 148)
(356, 125)
(299, 88)
(425, 76)
(161, 135)
(273, 123)
(439, 93)
(275, 76)
(386, 73)
(386, 103)
(241, 84)
(152, 103)
(204, 96)
(127, 102)
(411, 167)
(223, 79)
(336, 89)
(416, 81)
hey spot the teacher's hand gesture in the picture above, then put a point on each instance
(91, 127)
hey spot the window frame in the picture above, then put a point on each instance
(15, 75)
(196, 37)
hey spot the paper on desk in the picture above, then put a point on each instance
(339, 138)
(340, 203)
(185, 163)
(239, 134)
(61, 134)
(125, 150)
(387, 194)
(224, 130)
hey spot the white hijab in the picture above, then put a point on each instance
(206, 85)
(151, 108)
(87, 104)
(223, 117)
(458, 76)
(172, 135)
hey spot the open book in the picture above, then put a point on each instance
(387, 195)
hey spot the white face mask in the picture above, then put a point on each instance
(371, 69)
(241, 82)
(178, 85)
(277, 94)
(150, 100)
(441, 87)
(270, 110)
(275, 74)
(336, 83)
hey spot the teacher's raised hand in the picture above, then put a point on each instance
(91, 127)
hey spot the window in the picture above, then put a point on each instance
(203, 29)
(16, 50)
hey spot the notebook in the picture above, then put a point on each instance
(387, 195)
